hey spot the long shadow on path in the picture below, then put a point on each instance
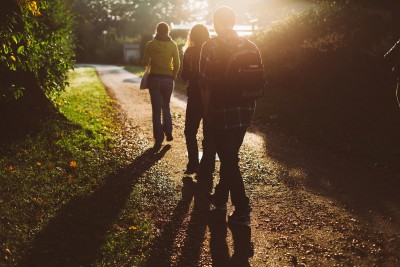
(341, 176)
(180, 241)
(75, 235)
(164, 246)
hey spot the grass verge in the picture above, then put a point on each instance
(67, 159)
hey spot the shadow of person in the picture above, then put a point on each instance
(196, 229)
(242, 245)
(188, 188)
(77, 232)
(218, 232)
(163, 247)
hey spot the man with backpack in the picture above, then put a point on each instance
(231, 77)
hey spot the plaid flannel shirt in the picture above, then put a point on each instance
(222, 115)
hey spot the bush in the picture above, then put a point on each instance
(303, 43)
(36, 39)
(328, 83)
(35, 56)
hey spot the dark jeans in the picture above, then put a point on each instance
(194, 114)
(228, 143)
(160, 88)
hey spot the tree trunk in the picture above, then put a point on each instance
(25, 114)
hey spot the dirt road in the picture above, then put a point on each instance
(310, 207)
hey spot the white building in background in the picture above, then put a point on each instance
(132, 53)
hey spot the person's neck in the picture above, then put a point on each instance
(162, 37)
(227, 32)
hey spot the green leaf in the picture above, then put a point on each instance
(14, 39)
(21, 49)
(19, 92)
(5, 48)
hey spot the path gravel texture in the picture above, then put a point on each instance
(310, 207)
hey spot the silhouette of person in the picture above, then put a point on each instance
(197, 36)
(162, 55)
(228, 121)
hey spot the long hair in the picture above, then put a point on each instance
(197, 36)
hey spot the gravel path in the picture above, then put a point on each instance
(310, 207)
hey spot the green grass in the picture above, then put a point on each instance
(67, 159)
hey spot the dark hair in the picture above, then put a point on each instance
(225, 15)
(162, 28)
(197, 36)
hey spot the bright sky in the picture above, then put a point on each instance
(238, 5)
(273, 8)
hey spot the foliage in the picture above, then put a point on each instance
(122, 20)
(36, 38)
(327, 76)
(331, 31)
(68, 159)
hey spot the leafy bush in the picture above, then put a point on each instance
(36, 41)
(322, 37)
(328, 82)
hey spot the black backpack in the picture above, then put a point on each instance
(240, 72)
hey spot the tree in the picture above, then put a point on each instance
(36, 53)
(123, 20)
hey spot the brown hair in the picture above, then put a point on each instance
(162, 28)
(197, 36)
(225, 16)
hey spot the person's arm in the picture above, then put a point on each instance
(146, 56)
(175, 61)
(205, 77)
(185, 66)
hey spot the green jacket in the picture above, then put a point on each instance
(163, 57)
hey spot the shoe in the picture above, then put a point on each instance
(218, 205)
(169, 137)
(240, 217)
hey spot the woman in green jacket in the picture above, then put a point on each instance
(162, 55)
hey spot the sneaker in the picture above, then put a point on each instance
(169, 137)
(218, 205)
(240, 217)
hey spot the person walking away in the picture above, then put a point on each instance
(228, 118)
(162, 55)
(197, 36)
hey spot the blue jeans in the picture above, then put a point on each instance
(160, 88)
